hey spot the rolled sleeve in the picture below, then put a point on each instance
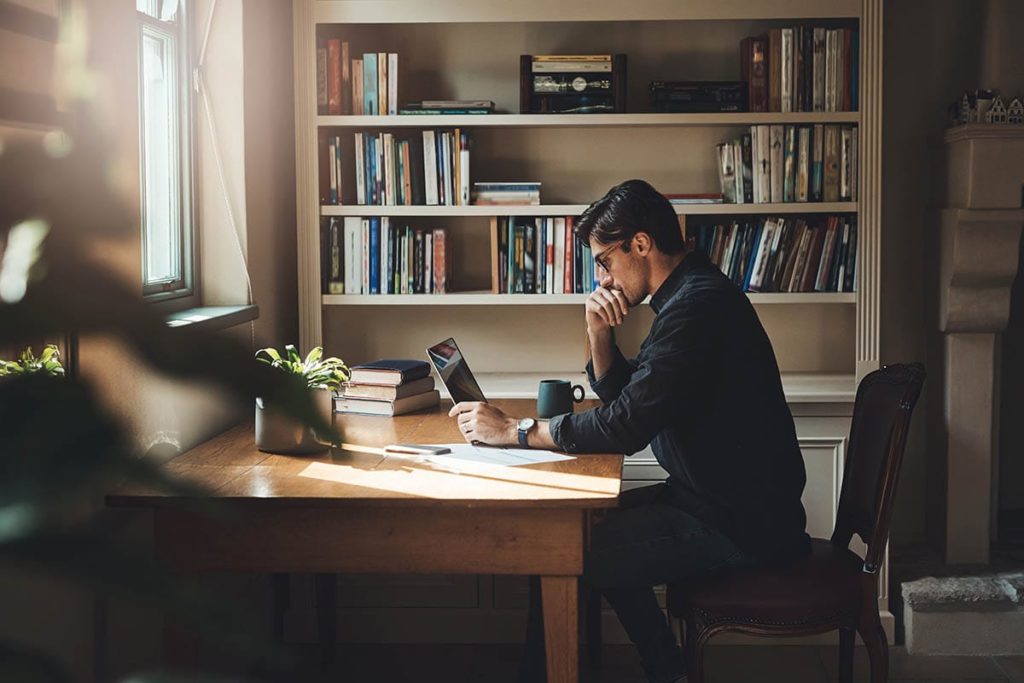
(560, 428)
(609, 385)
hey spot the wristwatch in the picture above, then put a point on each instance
(524, 426)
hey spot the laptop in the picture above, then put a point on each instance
(454, 372)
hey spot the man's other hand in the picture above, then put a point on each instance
(606, 307)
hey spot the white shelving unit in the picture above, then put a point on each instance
(577, 209)
(466, 49)
(490, 299)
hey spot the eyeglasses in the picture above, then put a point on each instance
(602, 258)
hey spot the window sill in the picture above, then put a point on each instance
(213, 317)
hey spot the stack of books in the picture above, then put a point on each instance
(355, 86)
(505, 194)
(436, 107)
(783, 163)
(803, 68)
(540, 256)
(784, 254)
(388, 387)
(376, 256)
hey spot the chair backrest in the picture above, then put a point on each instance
(878, 434)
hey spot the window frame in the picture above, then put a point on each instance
(184, 292)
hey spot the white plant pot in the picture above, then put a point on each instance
(280, 433)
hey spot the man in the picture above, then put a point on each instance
(704, 392)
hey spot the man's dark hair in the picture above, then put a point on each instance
(631, 207)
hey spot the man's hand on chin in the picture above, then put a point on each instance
(484, 423)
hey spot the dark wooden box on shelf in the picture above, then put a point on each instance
(579, 92)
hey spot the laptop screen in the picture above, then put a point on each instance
(454, 372)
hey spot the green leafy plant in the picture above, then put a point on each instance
(319, 372)
(48, 363)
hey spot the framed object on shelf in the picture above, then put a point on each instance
(572, 84)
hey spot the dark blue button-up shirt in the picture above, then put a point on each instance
(705, 393)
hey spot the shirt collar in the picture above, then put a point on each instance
(694, 259)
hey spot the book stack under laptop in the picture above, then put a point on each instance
(388, 387)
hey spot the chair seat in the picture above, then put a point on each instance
(823, 588)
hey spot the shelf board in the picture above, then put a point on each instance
(577, 209)
(529, 11)
(490, 299)
(585, 120)
(798, 387)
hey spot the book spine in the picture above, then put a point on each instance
(346, 79)
(370, 84)
(803, 164)
(758, 91)
(334, 80)
(332, 194)
(831, 172)
(845, 164)
(549, 255)
(464, 177)
(392, 83)
(813, 259)
(321, 77)
(775, 69)
(336, 275)
(818, 163)
(559, 260)
(385, 255)
(786, 75)
(726, 172)
(854, 164)
(429, 169)
(799, 84)
(737, 151)
(789, 182)
(337, 170)
(777, 162)
(374, 255)
(358, 99)
(382, 83)
(764, 161)
(428, 258)
(441, 261)
(818, 70)
(825, 265)
(567, 274)
(364, 244)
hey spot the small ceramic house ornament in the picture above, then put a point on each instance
(964, 115)
(997, 112)
(982, 102)
(1015, 112)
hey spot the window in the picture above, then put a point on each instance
(165, 117)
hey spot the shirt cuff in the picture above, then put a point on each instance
(560, 428)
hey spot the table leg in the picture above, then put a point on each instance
(561, 628)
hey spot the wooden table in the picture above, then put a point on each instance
(369, 512)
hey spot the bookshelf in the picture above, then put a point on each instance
(576, 209)
(452, 49)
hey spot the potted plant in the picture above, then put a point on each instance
(48, 363)
(280, 433)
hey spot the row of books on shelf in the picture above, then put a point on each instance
(375, 256)
(387, 387)
(365, 85)
(392, 170)
(784, 254)
(786, 163)
(540, 256)
(801, 68)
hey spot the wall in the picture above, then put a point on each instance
(1003, 68)
(930, 56)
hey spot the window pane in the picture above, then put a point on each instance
(164, 10)
(160, 135)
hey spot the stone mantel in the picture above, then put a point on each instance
(978, 264)
(980, 241)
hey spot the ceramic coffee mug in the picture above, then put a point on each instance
(556, 397)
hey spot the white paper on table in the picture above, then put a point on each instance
(490, 455)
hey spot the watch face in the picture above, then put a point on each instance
(526, 423)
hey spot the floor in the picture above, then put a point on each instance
(725, 664)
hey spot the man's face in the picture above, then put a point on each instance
(624, 270)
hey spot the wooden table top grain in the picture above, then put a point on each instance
(228, 467)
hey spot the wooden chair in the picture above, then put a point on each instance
(832, 588)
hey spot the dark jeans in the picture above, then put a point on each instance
(647, 541)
